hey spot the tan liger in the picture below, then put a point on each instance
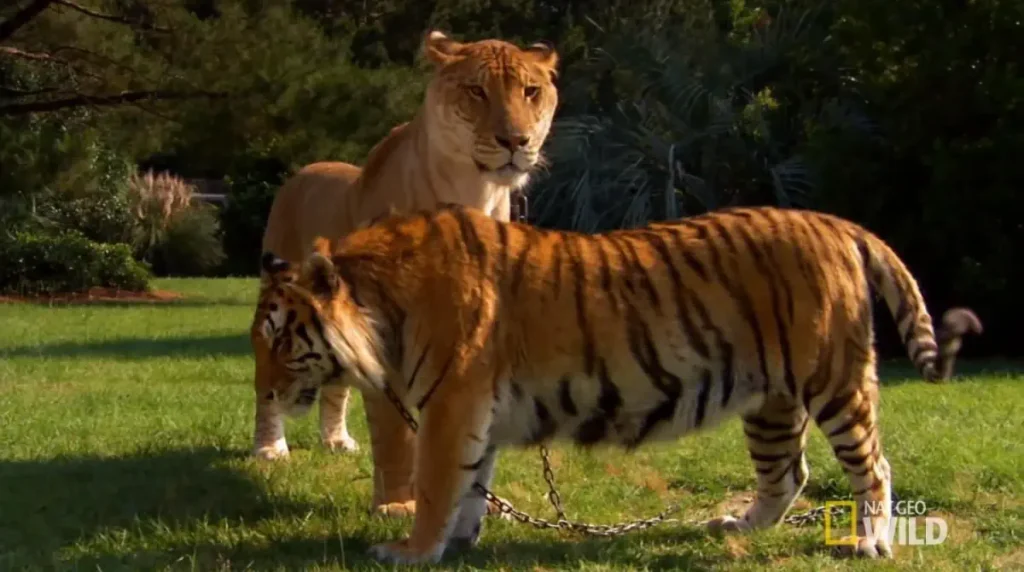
(504, 334)
(487, 110)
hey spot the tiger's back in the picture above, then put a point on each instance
(632, 336)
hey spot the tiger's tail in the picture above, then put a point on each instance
(932, 351)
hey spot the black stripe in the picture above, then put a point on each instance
(613, 239)
(582, 320)
(739, 295)
(529, 238)
(307, 356)
(591, 431)
(416, 368)
(645, 353)
(838, 449)
(444, 371)
(762, 424)
(702, 397)
(300, 331)
(766, 458)
(546, 425)
(503, 241)
(336, 369)
(474, 246)
(833, 407)
(609, 399)
(765, 270)
(693, 336)
(800, 241)
(645, 278)
(856, 420)
(725, 354)
(565, 397)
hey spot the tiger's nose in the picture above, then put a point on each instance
(512, 142)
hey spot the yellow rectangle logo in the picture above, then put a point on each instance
(844, 540)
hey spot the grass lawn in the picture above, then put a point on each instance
(126, 430)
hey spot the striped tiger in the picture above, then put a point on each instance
(506, 334)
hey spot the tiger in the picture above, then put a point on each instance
(502, 334)
(486, 113)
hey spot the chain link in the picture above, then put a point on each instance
(812, 516)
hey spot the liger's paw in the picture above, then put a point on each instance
(400, 553)
(494, 510)
(396, 509)
(278, 450)
(727, 525)
(864, 547)
(343, 444)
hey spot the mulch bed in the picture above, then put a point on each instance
(95, 295)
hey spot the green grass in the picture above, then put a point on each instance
(126, 428)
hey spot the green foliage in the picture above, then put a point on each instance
(679, 121)
(66, 262)
(250, 195)
(190, 245)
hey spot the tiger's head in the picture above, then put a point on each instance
(314, 332)
(492, 102)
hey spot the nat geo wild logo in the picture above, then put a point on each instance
(910, 524)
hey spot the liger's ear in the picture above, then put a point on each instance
(322, 245)
(440, 49)
(545, 54)
(319, 273)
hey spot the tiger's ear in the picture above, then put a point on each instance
(440, 49)
(319, 273)
(544, 53)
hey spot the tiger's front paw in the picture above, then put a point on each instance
(278, 450)
(727, 524)
(401, 553)
(396, 509)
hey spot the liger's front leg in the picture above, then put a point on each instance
(451, 449)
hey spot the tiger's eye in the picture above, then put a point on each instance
(477, 92)
(531, 91)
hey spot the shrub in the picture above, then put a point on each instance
(174, 233)
(32, 263)
(190, 245)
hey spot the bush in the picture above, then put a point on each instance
(190, 245)
(33, 263)
(176, 234)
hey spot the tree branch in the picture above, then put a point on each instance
(19, 19)
(37, 56)
(83, 100)
(108, 17)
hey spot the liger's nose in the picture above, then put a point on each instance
(512, 142)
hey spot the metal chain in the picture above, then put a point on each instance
(810, 517)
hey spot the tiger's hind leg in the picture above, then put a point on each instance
(849, 418)
(776, 437)
(334, 435)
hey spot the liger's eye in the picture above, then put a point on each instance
(531, 91)
(477, 92)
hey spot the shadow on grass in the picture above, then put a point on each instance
(689, 547)
(50, 504)
(141, 348)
